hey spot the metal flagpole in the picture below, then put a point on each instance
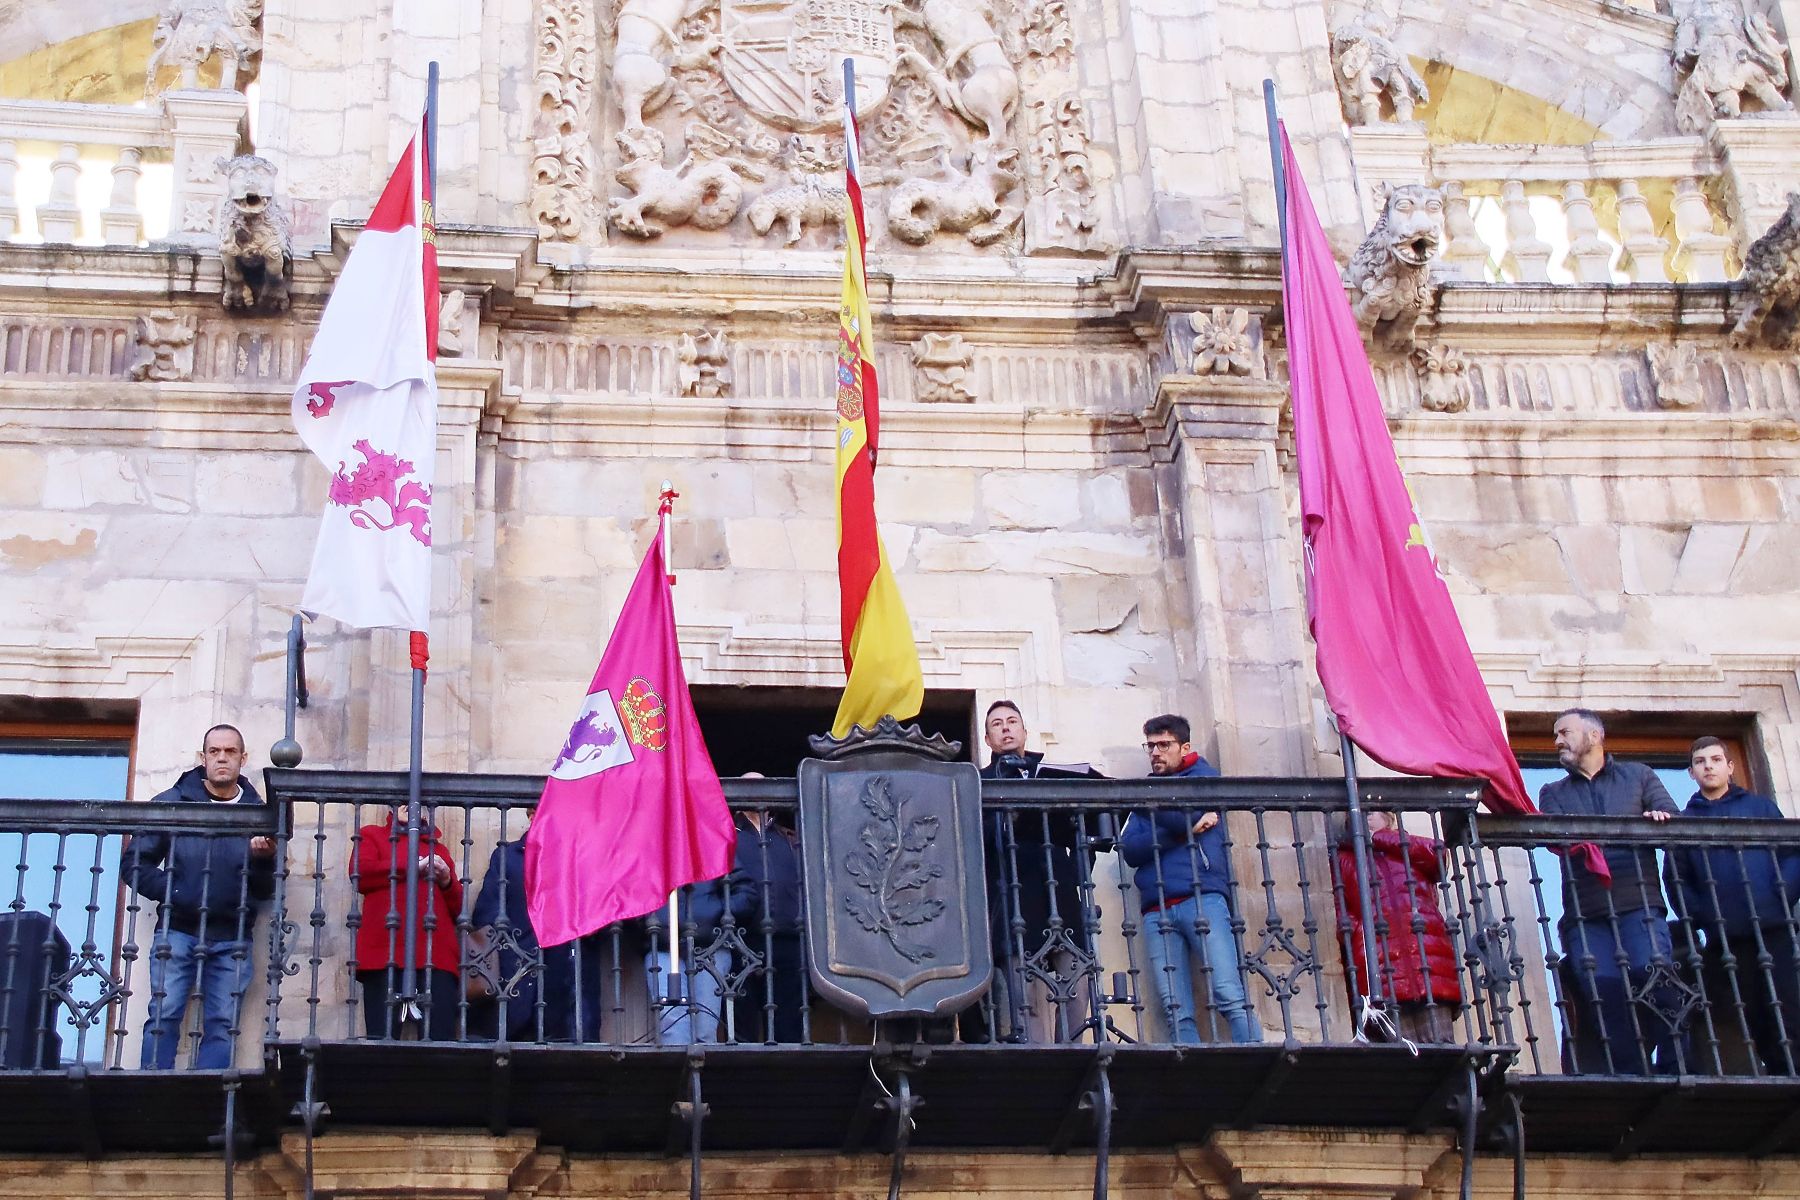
(1367, 1012)
(419, 643)
(665, 504)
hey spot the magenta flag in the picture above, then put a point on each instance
(1395, 664)
(632, 808)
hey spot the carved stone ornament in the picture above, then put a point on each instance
(1675, 370)
(253, 238)
(563, 196)
(1059, 151)
(1223, 343)
(976, 202)
(455, 334)
(189, 32)
(1726, 54)
(1370, 69)
(1390, 273)
(705, 364)
(1771, 279)
(942, 362)
(893, 875)
(164, 344)
(816, 197)
(1443, 379)
(705, 190)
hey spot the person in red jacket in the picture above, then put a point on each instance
(1418, 959)
(378, 868)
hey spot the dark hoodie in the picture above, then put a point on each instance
(202, 880)
(1736, 888)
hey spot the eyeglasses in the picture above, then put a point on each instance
(1153, 747)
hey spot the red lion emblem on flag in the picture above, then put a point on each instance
(646, 717)
(320, 397)
(377, 480)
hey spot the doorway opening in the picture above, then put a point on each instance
(765, 729)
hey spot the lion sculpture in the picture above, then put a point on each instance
(1772, 276)
(1390, 273)
(704, 190)
(974, 204)
(253, 238)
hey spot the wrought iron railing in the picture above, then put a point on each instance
(1103, 929)
(1685, 963)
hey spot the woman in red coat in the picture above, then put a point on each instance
(378, 867)
(1418, 959)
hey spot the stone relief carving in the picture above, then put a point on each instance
(1370, 68)
(1726, 53)
(1772, 284)
(1675, 370)
(253, 238)
(1059, 151)
(1443, 379)
(972, 76)
(704, 190)
(975, 203)
(816, 197)
(1390, 273)
(189, 32)
(164, 341)
(705, 364)
(563, 198)
(1223, 343)
(942, 361)
(455, 332)
(734, 106)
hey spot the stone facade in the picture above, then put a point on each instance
(1088, 499)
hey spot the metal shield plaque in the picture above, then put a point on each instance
(896, 895)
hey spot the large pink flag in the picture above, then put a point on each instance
(1395, 664)
(366, 404)
(632, 808)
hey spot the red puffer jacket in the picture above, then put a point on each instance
(1406, 873)
(379, 867)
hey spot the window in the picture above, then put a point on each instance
(67, 881)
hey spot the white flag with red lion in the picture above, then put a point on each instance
(366, 404)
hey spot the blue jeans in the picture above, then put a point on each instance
(682, 1023)
(224, 972)
(1627, 1016)
(1200, 927)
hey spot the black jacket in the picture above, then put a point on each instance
(702, 905)
(206, 883)
(769, 863)
(1732, 890)
(1618, 789)
(1037, 853)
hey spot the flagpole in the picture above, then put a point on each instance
(419, 644)
(665, 504)
(1365, 1012)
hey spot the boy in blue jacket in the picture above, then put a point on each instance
(1741, 900)
(1184, 881)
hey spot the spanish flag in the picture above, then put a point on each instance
(880, 661)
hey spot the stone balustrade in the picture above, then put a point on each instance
(1651, 211)
(172, 148)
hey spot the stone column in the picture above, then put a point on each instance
(203, 128)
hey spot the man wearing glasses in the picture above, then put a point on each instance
(1184, 883)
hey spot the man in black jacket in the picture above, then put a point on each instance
(1036, 864)
(1618, 961)
(207, 888)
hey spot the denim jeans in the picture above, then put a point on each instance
(224, 972)
(683, 1022)
(1198, 926)
(1626, 1015)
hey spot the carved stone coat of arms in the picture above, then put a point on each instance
(783, 58)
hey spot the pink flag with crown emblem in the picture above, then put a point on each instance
(1395, 665)
(366, 404)
(633, 808)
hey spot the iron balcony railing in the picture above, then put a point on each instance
(1111, 922)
